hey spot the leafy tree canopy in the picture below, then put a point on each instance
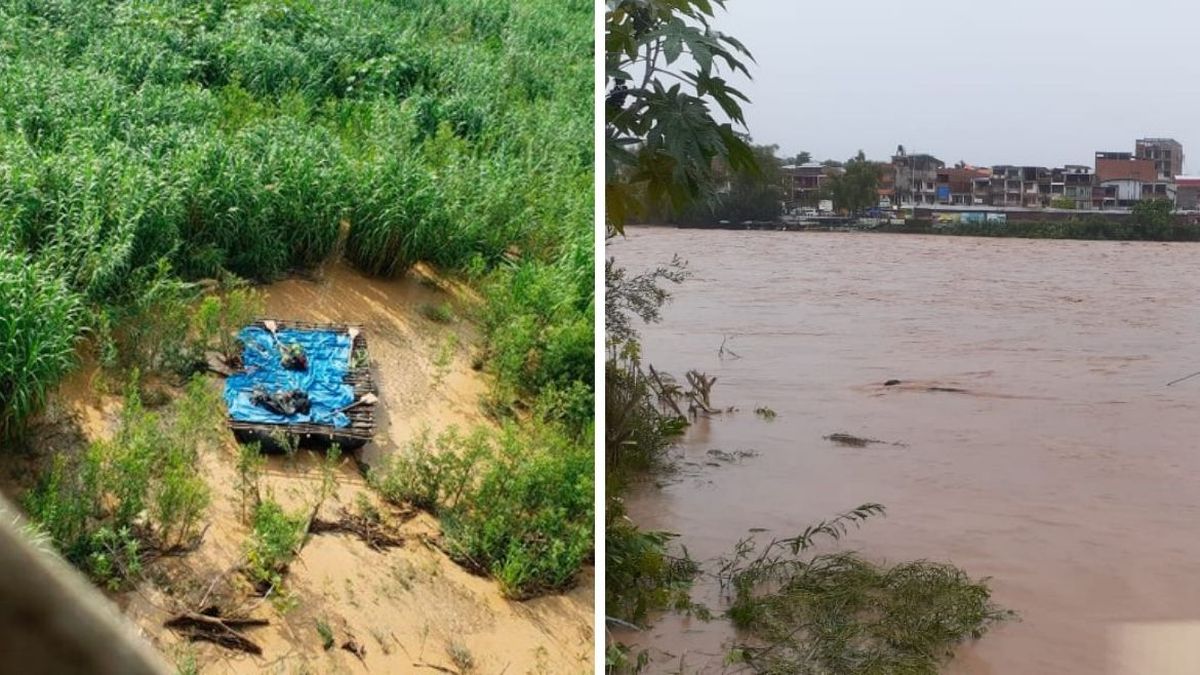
(661, 136)
(855, 188)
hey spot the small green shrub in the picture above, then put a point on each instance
(140, 490)
(219, 317)
(250, 464)
(840, 614)
(152, 325)
(274, 540)
(432, 474)
(440, 313)
(326, 634)
(529, 520)
(460, 656)
(115, 557)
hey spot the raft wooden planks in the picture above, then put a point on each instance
(362, 417)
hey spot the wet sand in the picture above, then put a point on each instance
(405, 605)
(1041, 446)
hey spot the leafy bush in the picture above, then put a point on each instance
(274, 541)
(220, 316)
(838, 613)
(433, 475)
(539, 320)
(529, 520)
(151, 330)
(516, 504)
(441, 313)
(640, 576)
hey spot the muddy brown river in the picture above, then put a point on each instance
(1063, 467)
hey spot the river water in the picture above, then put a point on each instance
(1063, 468)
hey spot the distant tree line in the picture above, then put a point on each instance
(737, 194)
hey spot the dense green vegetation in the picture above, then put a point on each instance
(517, 504)
(148, 145)
(840, 614)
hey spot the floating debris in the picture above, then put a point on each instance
(729, 457)
(853, 441)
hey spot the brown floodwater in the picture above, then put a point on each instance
(1063, 467)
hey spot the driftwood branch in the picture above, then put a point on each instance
(724, 351)
(1185, 377)
(700, 391)
(663, 393)
(421, 664)
(374, 533)
(211, 627)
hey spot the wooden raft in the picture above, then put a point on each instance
(362, 417)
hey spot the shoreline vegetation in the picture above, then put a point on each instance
(164, 162)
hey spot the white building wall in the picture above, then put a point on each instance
(1126, 189)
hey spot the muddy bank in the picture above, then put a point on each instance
(410, 607)
(1041, 446)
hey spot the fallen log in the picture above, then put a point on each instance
(211, 627)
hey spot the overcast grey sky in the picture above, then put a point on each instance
(999, 82)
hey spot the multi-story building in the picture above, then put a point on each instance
(887, 185)
(1025, 186)
(802, 183)
(956, 185)
(1077, 185)
(1166, 153)
(916, 178)
(1126, 180)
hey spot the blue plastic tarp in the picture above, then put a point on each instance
(328, 355)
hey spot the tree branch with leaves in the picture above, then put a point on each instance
(661, 135)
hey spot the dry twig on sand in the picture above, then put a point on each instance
(209, 626)
(375, 534)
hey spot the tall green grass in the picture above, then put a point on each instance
(39, 318)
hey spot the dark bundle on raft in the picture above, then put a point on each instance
(293, 357)
(281, 402)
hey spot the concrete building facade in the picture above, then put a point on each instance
(1127, 180)
(1187, 193)
(916, 178)
(802, 183)
(1166, 153)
